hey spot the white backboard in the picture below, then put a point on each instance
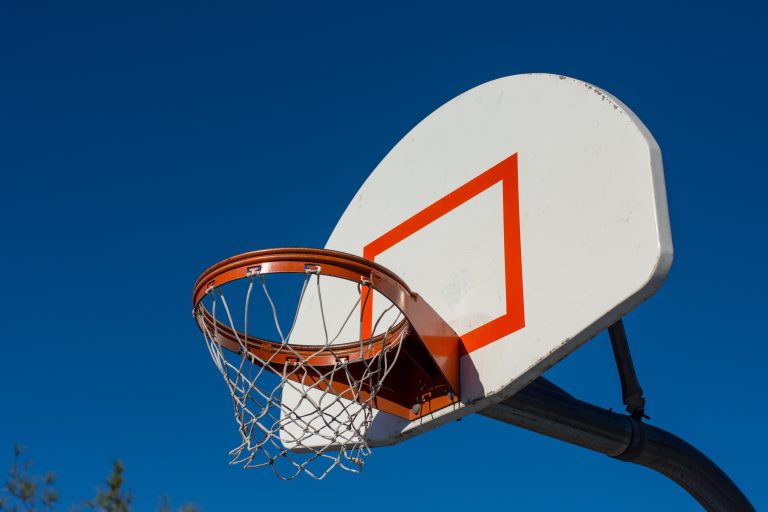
(530, 212)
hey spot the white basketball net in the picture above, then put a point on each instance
(289, 417)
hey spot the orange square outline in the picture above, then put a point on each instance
(514, 317)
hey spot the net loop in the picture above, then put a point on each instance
(300, 408)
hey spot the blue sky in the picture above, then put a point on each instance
(141, 142)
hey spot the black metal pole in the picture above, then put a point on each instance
(545, 408)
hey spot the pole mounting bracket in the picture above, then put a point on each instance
(631, 391)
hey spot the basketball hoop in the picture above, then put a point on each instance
(307, 406)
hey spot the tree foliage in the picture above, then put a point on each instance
(24, 491)
(114, 498)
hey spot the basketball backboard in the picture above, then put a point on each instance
(530, 212)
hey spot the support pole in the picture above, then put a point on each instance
(544, 408)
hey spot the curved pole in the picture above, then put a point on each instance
(545, 408)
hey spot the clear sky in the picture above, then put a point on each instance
(142, 142)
